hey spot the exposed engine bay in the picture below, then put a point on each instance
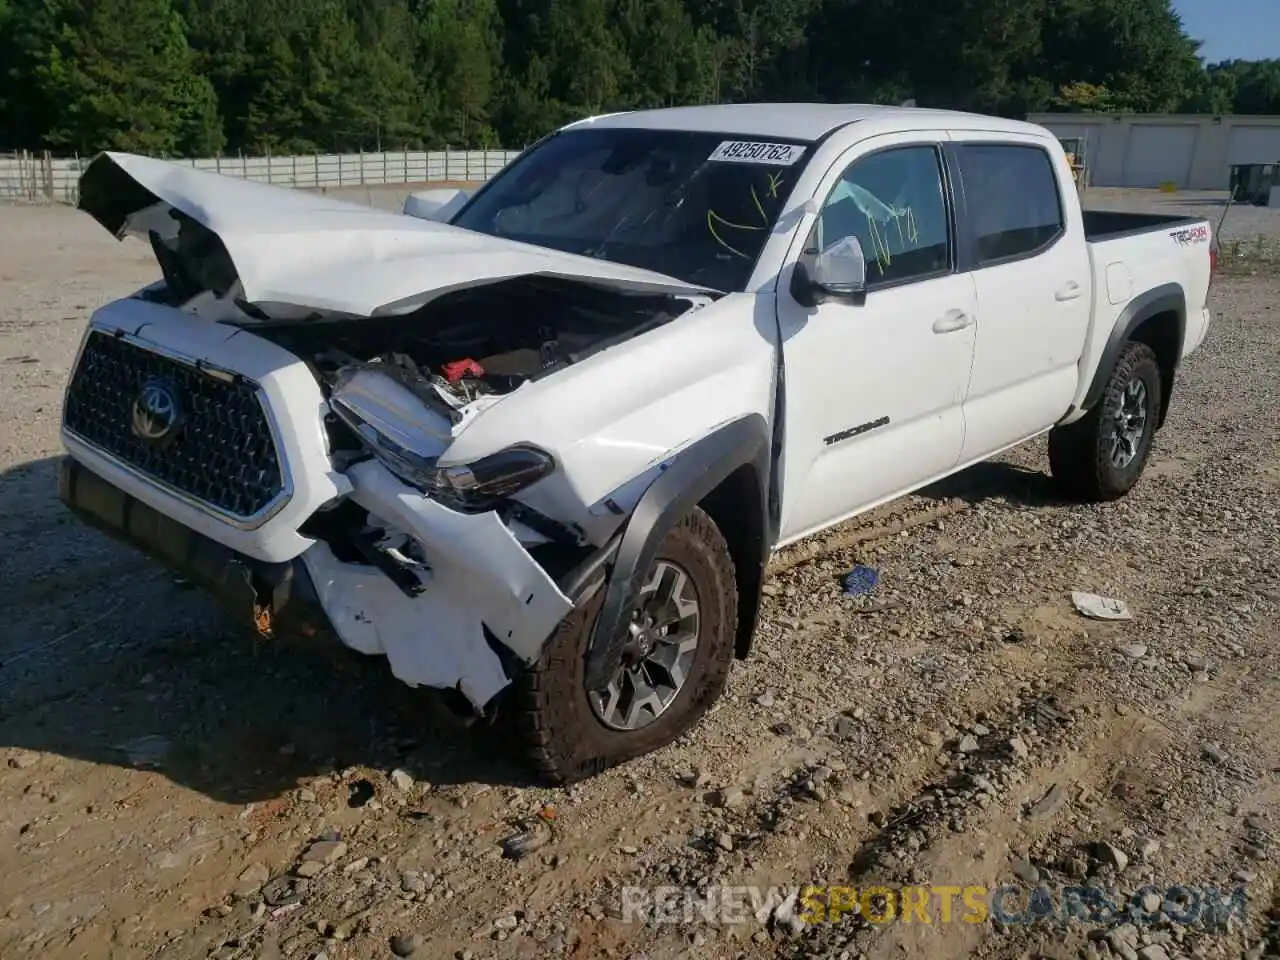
(471, 343)
(403, 385)
(476, 342)
(482, 341)
(400, 388)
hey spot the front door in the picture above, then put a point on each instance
(875, 390)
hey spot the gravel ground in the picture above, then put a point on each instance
(170, 788)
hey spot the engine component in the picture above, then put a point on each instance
(456, 370)
(514, 363)
(392, 420)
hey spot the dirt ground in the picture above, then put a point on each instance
(165, 780)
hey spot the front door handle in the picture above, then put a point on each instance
(952, 321)
(1070, 292)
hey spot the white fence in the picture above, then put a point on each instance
(39, 176)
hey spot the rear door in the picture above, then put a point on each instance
(1023, 236)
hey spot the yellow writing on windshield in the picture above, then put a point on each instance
(775, 181)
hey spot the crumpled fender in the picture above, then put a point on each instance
(687, 480)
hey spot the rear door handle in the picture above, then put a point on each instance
(952, 321)
(1070, 292)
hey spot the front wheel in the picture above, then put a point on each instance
(1101, 456)
(674, 666)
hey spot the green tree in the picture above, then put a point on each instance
(525, 109)
(460, 55)
(1215, 92)
(1137, 49)
(115, 74)
(304, 90)
(168, 76)
(387, 107)
(666, 56)
(1254, 85)
(755, 37)
(8, 52)
(1084, 97)
(586, 56)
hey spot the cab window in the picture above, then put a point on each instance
(894, 203)
(1013, 200)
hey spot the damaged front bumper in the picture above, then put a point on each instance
(484, 610)
(275, 597)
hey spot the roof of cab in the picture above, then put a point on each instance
(796, 121)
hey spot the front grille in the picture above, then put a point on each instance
(217, 447)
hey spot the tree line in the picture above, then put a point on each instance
(198, 77)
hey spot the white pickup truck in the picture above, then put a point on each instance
(535, 446)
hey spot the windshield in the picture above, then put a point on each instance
(695, 206)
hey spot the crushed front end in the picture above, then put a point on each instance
(313, 419)
(313, 500)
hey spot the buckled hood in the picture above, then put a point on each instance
(304, 250)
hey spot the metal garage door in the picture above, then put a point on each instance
(1159, 153)
(1254, 145)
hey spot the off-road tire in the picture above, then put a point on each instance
(561, 734)
(1079, 452)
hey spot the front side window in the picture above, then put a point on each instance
(692, 205)
(1012, 197)
(893, 202)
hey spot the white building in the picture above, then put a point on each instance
(1193, 152)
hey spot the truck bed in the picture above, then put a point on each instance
(1142, 259)
(1113, 224)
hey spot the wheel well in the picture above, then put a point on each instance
(1163, 334)
(738, 511)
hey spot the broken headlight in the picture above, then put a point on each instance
(469, 487)
(390, 419)
(408, 438)
(482, 483)
(473, 486)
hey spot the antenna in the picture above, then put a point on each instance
(1225, 210)
(1216, 240)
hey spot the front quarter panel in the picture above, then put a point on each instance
(627, 410)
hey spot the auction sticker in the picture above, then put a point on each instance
(750, 151)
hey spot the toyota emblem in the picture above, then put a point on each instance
(156, 411)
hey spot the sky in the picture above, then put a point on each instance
(1233, 29)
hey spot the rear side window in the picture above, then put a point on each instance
(1013, 201)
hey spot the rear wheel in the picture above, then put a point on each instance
(1101, 456)
(674, 666)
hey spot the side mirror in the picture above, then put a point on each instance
(841, 269)
(438, 205)
(836, 273)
